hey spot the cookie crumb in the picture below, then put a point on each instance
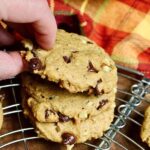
(27, 44)
(48, 112)
(91, 68)
(102, 103)
(83, 115)
(69, 147)
(107, 69)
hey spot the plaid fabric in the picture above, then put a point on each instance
(121, 27)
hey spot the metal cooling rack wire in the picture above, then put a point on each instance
(107, 142)
(27, 130)
(12, 85)
(138, 91)
(17, 111)
(11, 112)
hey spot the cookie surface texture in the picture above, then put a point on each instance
(58, 115)
(145, 130)
(1, 114)
(75, 63)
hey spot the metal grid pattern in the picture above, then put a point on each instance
(127, 112)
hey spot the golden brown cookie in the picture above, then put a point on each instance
(1, 112)
(75, 63)
(145, 130)
(49, 103)
(65, 117)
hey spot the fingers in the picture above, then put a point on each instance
(10, 64)
(37, 13)
(45, 31)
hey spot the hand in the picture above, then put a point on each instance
(35, 15)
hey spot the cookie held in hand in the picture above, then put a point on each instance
(75, 63)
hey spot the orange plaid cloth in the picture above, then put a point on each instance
(121, 27)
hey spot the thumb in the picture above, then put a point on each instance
(11, 64)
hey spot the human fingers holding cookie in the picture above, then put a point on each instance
(33, 14)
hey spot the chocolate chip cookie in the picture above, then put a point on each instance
(75, 63)
(66, 117)
(1, 113)
(49, 103)
(145, 130)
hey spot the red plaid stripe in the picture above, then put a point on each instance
(107, 37)
(112, 26)
(142, 5)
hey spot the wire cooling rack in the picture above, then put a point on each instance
(124, 132)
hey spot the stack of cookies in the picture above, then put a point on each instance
(71, 99)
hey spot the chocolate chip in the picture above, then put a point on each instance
(89, 42)
(67, 59)
(102, 103)
(68, 139)
(63, 118)
(91, 68)
(42, 96)
(60, 82)
(96, 90)
(35, 64)
(74, 120)
(52, 97)
(33, 51)
(75, 51)
(101, 92)
(47, 113)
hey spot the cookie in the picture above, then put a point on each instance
(145, 130)
(65, 117)
(75, 63)
(1, 113)
(70, 133)
(49, 103)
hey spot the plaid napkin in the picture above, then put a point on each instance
(121, 27)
